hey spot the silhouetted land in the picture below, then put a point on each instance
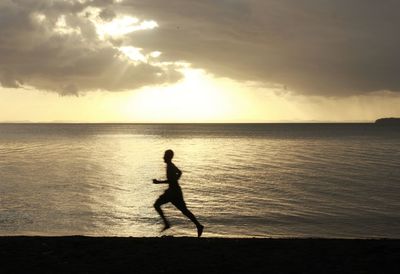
(192, 255)
(388, 121)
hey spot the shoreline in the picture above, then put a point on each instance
(83, 254)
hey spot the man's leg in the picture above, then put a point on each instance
(181, 205)
(157, 205)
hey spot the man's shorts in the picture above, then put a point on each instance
(174, 196)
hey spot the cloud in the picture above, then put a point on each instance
(52, 45)
(107, 14)
(321, 47)
(331, 48)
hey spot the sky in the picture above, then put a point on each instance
(199, 61)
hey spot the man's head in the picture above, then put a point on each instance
(168, 155)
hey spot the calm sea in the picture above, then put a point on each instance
(264, 180)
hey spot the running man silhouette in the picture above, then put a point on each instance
(174, 194)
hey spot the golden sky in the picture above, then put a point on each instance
(198, 61)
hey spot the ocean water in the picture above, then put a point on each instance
(265, 180)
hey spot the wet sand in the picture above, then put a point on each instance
(191, 255)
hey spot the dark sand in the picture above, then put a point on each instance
(192, 255)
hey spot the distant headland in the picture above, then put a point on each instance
(388, 121)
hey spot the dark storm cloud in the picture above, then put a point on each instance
(33, 53)
(327, 47)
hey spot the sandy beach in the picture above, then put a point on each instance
(77, 254)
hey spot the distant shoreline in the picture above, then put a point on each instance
(388, 121)
(78, 254)
(222, 123)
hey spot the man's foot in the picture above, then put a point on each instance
(165, 227)
(200, 229)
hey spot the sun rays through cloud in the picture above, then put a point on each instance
(206, 61)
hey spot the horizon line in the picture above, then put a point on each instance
(200, 123)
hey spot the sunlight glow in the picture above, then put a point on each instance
(116, 28)
(194, 99)
(133, 53)
(123, 25)
(155, 54)
(136, 55)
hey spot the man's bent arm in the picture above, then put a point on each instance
(155, 181)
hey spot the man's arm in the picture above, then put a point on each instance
(155, 181)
